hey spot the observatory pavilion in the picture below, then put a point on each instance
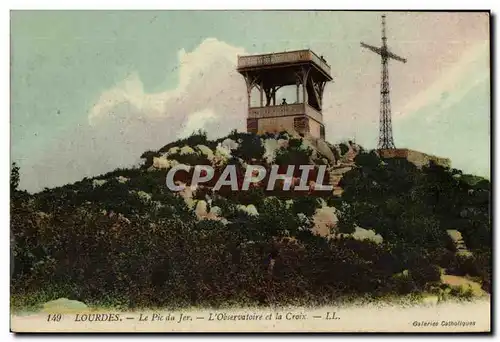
(269, 72)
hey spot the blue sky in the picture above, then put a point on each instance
(92, 90)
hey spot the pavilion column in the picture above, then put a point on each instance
(298, 85)
(249, 90)
(304, 95)
(261, 94)
(305, 74)
(323, 84)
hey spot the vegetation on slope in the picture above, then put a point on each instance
(124, 239)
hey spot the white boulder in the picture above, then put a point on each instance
(364, 234)
(205, 150)
(122, 179)
(186, 150)
(270, 148)
(324, 218)
(172, 150)
(164, 163)
(455, 235)
(217, 211)
(201, 209)
(98, 182)
(458, 240)
(249, 209)
(143, 196)
(64, 305)
(230, 144)
(187, 193)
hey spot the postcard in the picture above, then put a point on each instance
(250, 171)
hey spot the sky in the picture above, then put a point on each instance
(92, 90)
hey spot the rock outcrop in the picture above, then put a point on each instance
(64, 305)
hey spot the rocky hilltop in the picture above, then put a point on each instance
(123, 239)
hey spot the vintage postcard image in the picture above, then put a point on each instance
(250, 171)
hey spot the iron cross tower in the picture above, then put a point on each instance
(385, 139)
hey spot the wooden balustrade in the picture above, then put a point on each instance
(283, 57)
(284, 110)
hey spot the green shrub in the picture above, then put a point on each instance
(461, 292)
(306, 205)
(136, 244)
(343, 148)
(249, 146)
(294, 154)
(424, 272)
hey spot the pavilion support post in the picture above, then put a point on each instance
(297, 93)
(268, 93)
(305, 74)
(249, 95)
(251, 82)
(321, 92)
(261, 94)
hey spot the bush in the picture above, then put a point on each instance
(346, 223)
(306, 205)
(403, 284)
(249, 146)
(343, 148)
(424, 272)
(294, 154)
(136, 244)
(475, 266)
(369, 160)
(196, 138)
(191, 158)
(462, 293)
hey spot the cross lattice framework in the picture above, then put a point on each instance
(385, 139)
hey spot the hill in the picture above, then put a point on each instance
(124, 239)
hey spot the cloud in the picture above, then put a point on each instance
(125, 121)
(197, 121)
(206, 74)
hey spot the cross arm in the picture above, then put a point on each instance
(386, 52)
(396, 57)
(372, 48)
